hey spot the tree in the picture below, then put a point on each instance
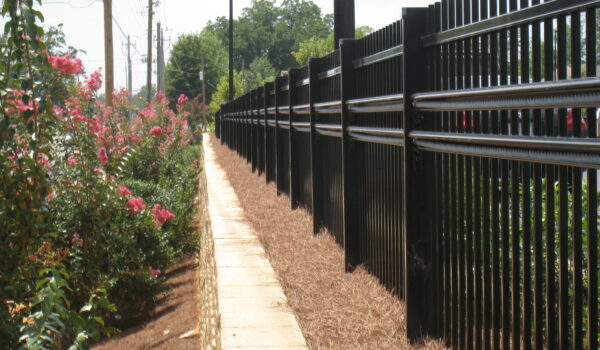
(258, 73)
(313, 47)
(362, 31)
(318, 47)
(221, 95)
(264, 29)
(185, 64)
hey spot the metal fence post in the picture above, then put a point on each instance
(292, 74)
(313, 69)
(253, 141)
(262, 133)
(417, 241)
(350, 232)
(247, 111)
(223, 112)
(258, 133)
(267, 93)
(278, 176)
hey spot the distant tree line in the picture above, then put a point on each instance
(265, 37)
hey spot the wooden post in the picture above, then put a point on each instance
(149, 56)
(129, 73)
(108, 52)
(203, 81)
(231, 86)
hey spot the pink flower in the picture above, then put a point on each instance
(65, 65)
(42, 160)
(94, 81)
(11, 245)
(76, 240)
(182, 99)
(135, 205)
(124, 191)
(57, 111)
(156, 131)
(153, 272)
(50, 196)
(71, 160)
(161, 215)
(102, 157)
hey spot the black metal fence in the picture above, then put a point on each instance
(454, 153)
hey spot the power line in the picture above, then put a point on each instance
(119, 26)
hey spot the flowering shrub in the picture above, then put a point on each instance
(93, 205)
(64, 65)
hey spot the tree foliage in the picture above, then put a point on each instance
(317, 47)
(221, 95)
(259, 72)
(185, 64)
(267, 30)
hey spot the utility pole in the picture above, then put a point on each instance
(129, 74)
(149, 56)
(231, 87)
(203, 81)
(160, 60)
(108, 52)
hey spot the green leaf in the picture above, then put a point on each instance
(99, 320)
(42, 282)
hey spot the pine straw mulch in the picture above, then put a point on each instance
(175, 314)
(335, 310)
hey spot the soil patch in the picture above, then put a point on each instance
(335, 310)
(176, 313)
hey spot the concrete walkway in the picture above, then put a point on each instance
(254, 310)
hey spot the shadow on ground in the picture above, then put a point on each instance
(175, 313)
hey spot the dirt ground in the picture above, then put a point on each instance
(176, 313)
(335, 310)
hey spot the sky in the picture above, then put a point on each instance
(83, 26)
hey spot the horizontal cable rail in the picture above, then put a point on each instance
(378, 104)
(378, 57)
(526, 155)
(584, 92)
(301, 126)
(558, 144)
(513, 19)
(394, 137)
